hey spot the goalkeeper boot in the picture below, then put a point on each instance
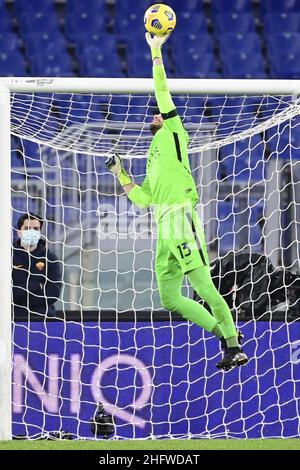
(233, 357)
(240, 337)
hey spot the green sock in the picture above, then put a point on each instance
(232, 342)
(216, 331)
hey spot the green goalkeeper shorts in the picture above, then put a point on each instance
(181, 244)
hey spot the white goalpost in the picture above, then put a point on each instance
(110, 342)
(5, 276)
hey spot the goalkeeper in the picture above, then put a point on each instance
(181, 248)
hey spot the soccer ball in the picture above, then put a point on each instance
(160, 19)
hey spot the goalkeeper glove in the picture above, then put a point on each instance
(155, 43)
(115, 165)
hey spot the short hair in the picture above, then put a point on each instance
(29, 216)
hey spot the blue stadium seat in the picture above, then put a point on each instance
(243, 66)
(234, 23)
(142, 109)
(90, 50)
(34, 5)
(39, 22)
(102, 65)
(44, 43)
(193, 111)
(85, 5)
(52, 64)
(191, 22)
(226, 226)
(277, 22)
(284, 140)
(84, 42)
(12, 64)
(125, 7)
(281, 44)
(39, 110)
(118, 111)
(244, 160)
(232, 106)
(247, 43)
(143, 49)
(194, 118)
(135, 109)
(286, 66)
(80, 112)
(278, 141)
(32, 154)
(84, 22)
(6, 22)
(295, 137)
(17, 157)
(269, 6)
(140, 64)
(200, 43)
(237, 170)
(129, 26)
(142, 101)
(186, 5)
(143, 52)
(216, 105)
(9, 41)
(233, 6)
(233, 124)
(180, 103)
(193, 66)
(268, 105)
(136, 114)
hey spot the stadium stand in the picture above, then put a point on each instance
(232, 6)
(276, 22)
(211, 30)
(234, 23)
(279, 5)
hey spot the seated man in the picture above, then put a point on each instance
(36, 274)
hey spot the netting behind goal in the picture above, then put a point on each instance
(110, 341)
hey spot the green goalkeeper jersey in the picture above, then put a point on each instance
(168, 181)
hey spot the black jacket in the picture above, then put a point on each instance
(257, 284)
(37, 279)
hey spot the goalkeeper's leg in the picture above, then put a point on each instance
(172, 299)
(184, 252)
(200, 278)
(202, 283)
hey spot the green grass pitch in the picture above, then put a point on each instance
(201, 444)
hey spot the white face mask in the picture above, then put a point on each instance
(30, 238)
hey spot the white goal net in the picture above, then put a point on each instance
(110, 341)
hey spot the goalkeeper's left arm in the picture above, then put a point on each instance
(140, 195)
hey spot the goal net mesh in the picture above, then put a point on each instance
(110, 341)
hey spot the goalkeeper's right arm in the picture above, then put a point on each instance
(163, 96)
(140, 195)
(162, 93)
